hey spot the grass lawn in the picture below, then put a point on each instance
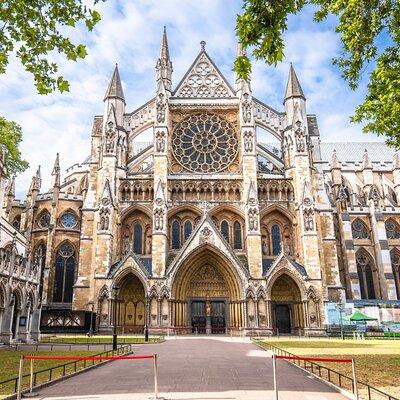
(98, 339)
(377, 361)
(9, 365)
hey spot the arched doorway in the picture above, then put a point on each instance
(287, 307)
(207, 294)
(131, 310)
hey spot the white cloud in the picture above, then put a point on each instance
(129, 33)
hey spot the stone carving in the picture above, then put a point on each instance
(159, 219)
(105, 207)
(160, 141)
(247, 108)
(206, 233)
(253, 219)
(248, 141)
(104, 219)
(160, 108)
(308, 215)
(374, 196)
(299, 129)
(110, 138)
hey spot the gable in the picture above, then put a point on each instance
(203, 80)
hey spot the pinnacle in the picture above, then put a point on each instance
(115, 87)
(293, 87)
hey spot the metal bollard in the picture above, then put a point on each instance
(21, 365)
(155, 377)
(353, 367)
(275, 379)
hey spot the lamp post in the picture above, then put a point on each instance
(115, 343)
(146, 316)
(341, 308)
(91, 303)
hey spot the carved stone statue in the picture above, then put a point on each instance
(248, 141)
(308, 215)
(159, 219)
(246, 109)
(253, 219)
(160, 108)
(160, 142)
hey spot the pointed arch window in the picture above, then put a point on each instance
(176, 235)
(64, 274)
(395, 258)
(225, 230)
(359, 229)
(365, 275)
(276, 239)
(237, 235)
(138, 239)
(187, 229)
(392, 229)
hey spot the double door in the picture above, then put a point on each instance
(208, 316)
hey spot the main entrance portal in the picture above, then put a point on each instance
(207, 298)
(208, 316)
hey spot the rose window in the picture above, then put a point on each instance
(204, 143)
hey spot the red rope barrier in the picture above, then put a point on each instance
(94, 358)
(341, 360)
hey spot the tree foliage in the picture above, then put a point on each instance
(34, 30)
(10, 138)
(363, 25)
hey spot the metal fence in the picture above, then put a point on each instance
(366, 392)
(10, 386)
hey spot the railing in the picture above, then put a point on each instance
(49, 374)
(94, 340)
(366, 392)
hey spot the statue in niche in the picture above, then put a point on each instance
(253, 222)
(104, 219)
(159, 219)
(246, 109)
(308, 215)
(148, 244)
(160, 108)
(248, 141)
(160, 142)
(264, 246)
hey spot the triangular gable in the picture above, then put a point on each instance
(131, 261)
(284, 262)
(207, 233)
(203, 80)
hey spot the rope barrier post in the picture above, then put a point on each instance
(31, 378)
(275, 380)
(155, 377)
(355, 390)
(21, 365)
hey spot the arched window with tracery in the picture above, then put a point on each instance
(237, 235)
(187, 229)
(359, 229)
(64, 274)
(176, 235)
(395, 258)
(365, 274)
(392, 229)
(138, 239)
(225, 230)
(276, 239)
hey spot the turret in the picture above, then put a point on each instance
(164, 64)
(336, 169)
(367, 170)
(10, 196)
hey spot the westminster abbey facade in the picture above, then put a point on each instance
(208, 228)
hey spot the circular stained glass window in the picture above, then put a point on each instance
(44, 220)
(204, 143)
(68, 220)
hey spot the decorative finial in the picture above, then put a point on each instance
(203, 45)
(205, 206)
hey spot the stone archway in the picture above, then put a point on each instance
(287, 306)
(207, 295)
(131, 311)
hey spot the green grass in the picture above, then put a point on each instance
(377, 361)
(99, 339)
(9, 361)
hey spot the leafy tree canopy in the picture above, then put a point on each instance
(361, 25)
(10, 138)
(32, 30)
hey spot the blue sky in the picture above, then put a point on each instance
(129, 34)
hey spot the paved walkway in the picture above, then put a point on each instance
(195, 369)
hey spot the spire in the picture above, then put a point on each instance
(164, 64)
(56, 172)
(293, 88)
(114, 89)
(164, 51)
(37, 180)
(366, 162)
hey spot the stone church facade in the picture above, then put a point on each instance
(208, 229)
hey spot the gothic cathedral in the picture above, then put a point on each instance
(207, 228)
